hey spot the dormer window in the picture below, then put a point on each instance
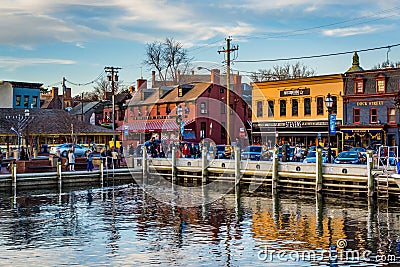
(359, 86)
(380, 84)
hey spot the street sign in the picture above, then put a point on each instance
(332, 124)
(126, 130)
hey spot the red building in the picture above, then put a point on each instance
(190, 112)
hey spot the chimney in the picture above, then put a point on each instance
(54, 92)
(237, 84)
(215, 76)
(67, 92)
(141, 84)
(153, 78)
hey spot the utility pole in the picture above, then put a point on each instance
(228, 51)
(63, 93)
(113, 78)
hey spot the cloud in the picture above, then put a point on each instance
(11, 63)
(351, 31)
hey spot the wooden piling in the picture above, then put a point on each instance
(204, 163)
(101, 167)
(371, 178)
(14, 176)
(318, 169)
(144, 162)
(59, 174)
(275, 174)
(237, 167)
(173, 165)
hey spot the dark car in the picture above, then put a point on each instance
(349, 157)
(253, 153)
(223, 152)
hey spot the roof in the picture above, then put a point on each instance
(49, 122)
(86, 107)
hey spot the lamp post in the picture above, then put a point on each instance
(179, 122)
(329, 105)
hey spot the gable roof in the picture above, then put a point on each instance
(77, 110)
(49, 122)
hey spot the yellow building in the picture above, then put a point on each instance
(294, 111)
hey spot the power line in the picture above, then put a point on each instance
(317, 56)
(84, 84)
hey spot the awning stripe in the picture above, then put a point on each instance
(152, 126)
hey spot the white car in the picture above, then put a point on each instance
(62, 150)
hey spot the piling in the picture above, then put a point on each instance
(14, 176)
(318, 170)
(59, 175)
(204, 164)
(371, 178)
(275, 171)
(101, 167)
(237, 166)
(144, 161)
(174, 170)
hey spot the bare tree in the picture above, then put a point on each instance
(168, 58)
(283, 72)
(102, 86)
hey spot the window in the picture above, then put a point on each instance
(282, 105)
(270, 108)
(356, 116)
(320, 106)
(18, 100)
(380, 85)
(307, 106)
(203, 108)
(334, 106)
(359, 85)
(203, 128)
(168, 109)
(158, 110)
(221, 90)
(223, 107)
(295, 107)
(373, 114)
(35, 102)
(391, 115)
(259, 109)
(26, 101)
(139, 111)
(223, 133)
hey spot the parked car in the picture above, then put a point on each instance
(312, 157)
(362, 150)
(62, 150)
(253, 153)
(351, 157)
(223, 152)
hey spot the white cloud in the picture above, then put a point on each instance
(350, 31)
(11, 63)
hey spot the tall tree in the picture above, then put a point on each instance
(102, 86)
(168, 58)
(283, 72)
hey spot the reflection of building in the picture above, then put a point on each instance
(154, 112)
(293, 111)
(19, 94)
(369, 108)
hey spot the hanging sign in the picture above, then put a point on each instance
(332, 123)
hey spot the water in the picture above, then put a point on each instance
(124, 226)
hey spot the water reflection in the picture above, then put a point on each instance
(126, 226)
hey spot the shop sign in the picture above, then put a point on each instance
(295, 92)
(370, 103)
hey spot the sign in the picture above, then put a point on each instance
(370, 103)
(92, 119)
(182, 127)
(295, 92)
(332, 124)
(319, 136)
(295, 124)
(126, 130)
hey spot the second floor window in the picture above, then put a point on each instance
(259, 109)
(35, 102)
(356, 116)
(295, 107)
(223, 107)
(373, 115)
(203, 108)
(380, 85)
(18, 100)
(334, 106)
(307, 106)
(282, 108)
(391, 115)
(168, 109)
(359, 86)
(270, 108)
(320, 106)
(26, 101)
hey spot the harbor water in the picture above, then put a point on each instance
(126, 226)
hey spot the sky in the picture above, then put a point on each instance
(44, 41)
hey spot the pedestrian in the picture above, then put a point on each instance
(109, 158)
(1, 159)
(71, 160)
(115, 161)
(23, 155)
(89, 161)
(186, 151)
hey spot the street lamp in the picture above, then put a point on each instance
(179, 122)
(329, 105)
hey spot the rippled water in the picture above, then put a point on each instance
(123, 226)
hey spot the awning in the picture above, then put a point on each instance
(153, 126)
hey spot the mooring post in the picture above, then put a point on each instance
(318, 170)
(371, 178)
(173, 165)
(204, 164)
(58, 166)
(144, 161)
(101, 167)
(237, 166)
(14, 176)
(275, 171)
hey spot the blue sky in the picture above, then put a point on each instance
(43, 41)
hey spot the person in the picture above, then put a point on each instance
(297, 153)
(239, 143)
(161, 152)
(109, 158)
(103, 155)
(89, 161)
(71, 160)
(130, 149)
(23, 155)
(115, 161)
(1, 159)
(186, 151)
